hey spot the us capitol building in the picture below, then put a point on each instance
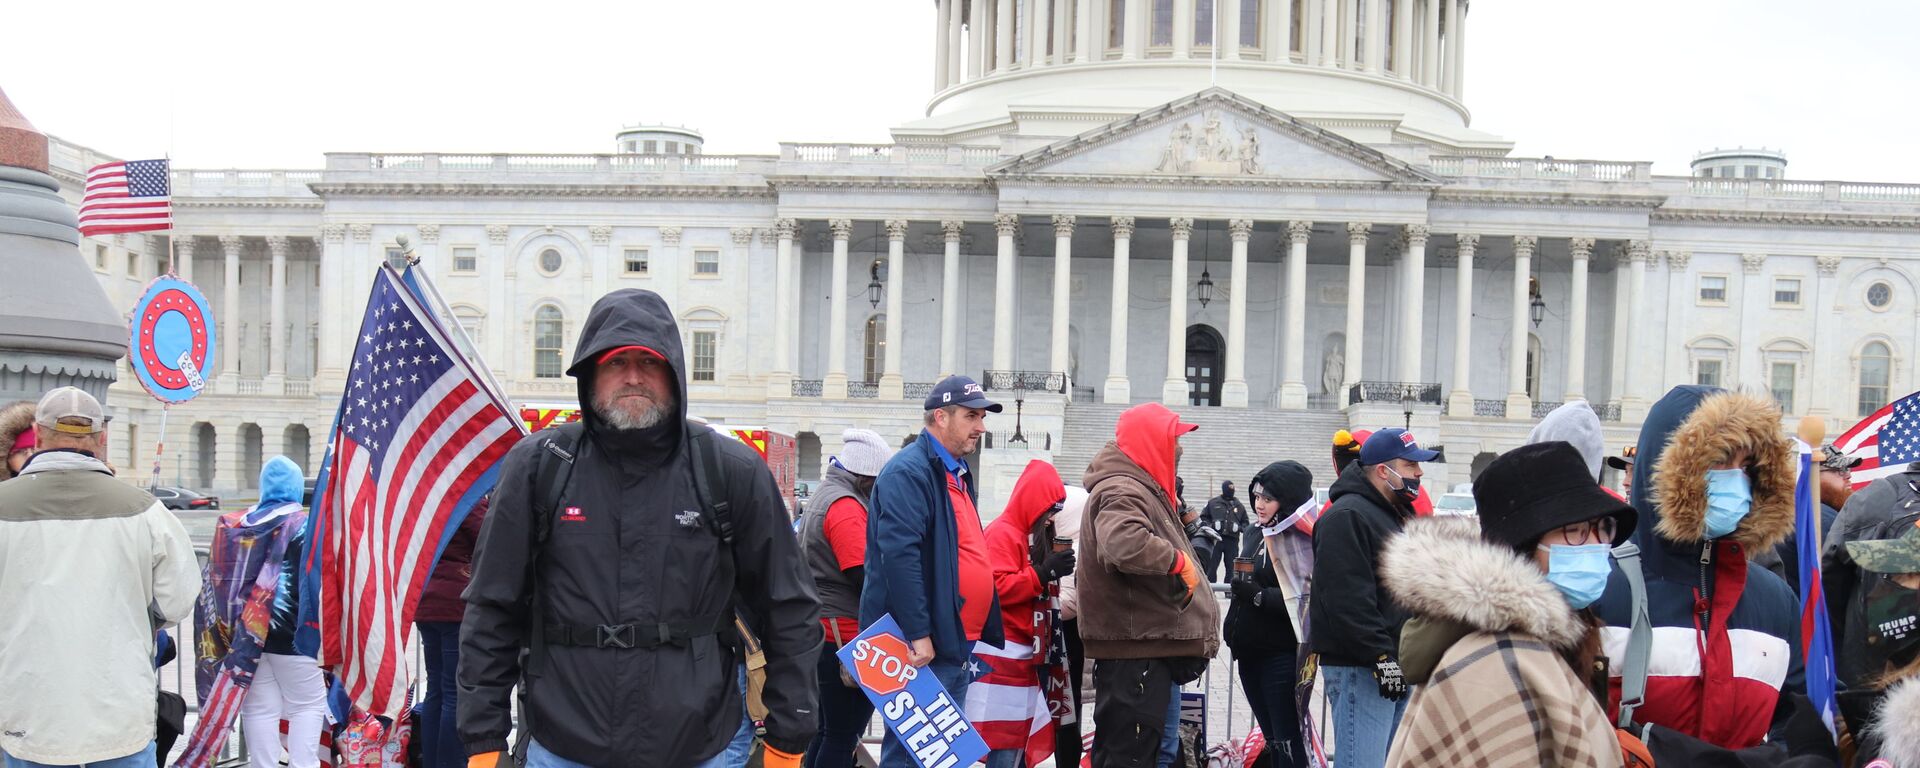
(1274, 213)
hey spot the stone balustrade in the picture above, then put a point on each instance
(1789, 189)
(1542, 168)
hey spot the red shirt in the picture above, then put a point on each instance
(847, 534)
(976, 571)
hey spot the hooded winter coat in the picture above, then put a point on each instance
(1133, 602)
(1577, 424)
(634, 547)
(15, 418)
(1354, 620)
(1484, 652)
(1009, 547)
(1895, 736)
(281, 484)
(1704, 591)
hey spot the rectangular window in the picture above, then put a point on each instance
(1780, 379)
(1713, 289)
(1753, 171)
(706, 262)
(1203, 23)
(1116, 23)
(1707, 373)
(673, 148)
(133, 265)
(1250, 24)
(1786, 291)
(704, 343)
(396, 257)
(649, 147)
(466, 259)
(100, 257)
(636, 259)
(1162, 23)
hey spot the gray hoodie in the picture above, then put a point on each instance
(1575, 423)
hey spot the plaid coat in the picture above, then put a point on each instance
(1491, 688)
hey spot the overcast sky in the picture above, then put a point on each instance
(251, 84)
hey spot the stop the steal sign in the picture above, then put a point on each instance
(912, 702)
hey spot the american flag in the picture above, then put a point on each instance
(417, 440)
(1886, 441)
(130, 196)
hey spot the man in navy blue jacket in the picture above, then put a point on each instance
(926, 555)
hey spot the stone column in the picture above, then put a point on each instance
(1226, 22)
(604, 264)
(331, 315)
(1349, 31)
(1088, 39)
(780, 384)
(502, 316)
(1633, 406)
(1356, 305)
(1118, 389)
(1183, 35)
(1581, 249)
(1174, 390)
(950, 300)
(1293, 382)
(1059, 360)
(1134, 33)
(1037, 30)
(1279, 42)
(1413, 300)
(1457, 49)
(1451, 68)
(230, 316)
(1376, 37)
(942, 44)
(1233, 390)
(834, 387)
(1827, 266)
(1004, 225)
(892, 386)
(1062, 32)
(1002, 35)
(277, 313)
(1329, 33)
(1460, 400)
(182, 261)
(430, 251)
(1519, 403)
(976, 38)
(1402, 38)
(1430, 45)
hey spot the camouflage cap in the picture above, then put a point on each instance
(1901, 555)
(1835, 459)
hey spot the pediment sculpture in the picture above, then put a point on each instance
(1212, 151)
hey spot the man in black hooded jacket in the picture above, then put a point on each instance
(624, 610)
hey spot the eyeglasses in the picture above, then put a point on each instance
(1599, 531)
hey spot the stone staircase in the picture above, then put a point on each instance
(1231, 444)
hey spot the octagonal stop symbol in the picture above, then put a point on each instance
(884, 668)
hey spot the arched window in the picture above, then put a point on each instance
(471, 320)
(548, 336)
(1712, 359)
(1876, 376)
(876, 348)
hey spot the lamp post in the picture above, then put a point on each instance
(1406, 406)
(1019, 405)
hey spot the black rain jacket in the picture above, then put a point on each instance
(638, 551)
(1354, 620)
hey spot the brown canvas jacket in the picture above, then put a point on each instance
(1132, 604)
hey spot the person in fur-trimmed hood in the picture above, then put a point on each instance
(1713, 486)
(16, 435)
(1500, 650)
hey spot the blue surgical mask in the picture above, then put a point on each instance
(1579, 571)
(1729, 499)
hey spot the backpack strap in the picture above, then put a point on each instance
(706, 476)
(1633, 670)
(553, 469)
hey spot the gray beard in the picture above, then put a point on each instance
(624, 420)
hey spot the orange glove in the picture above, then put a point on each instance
(1188, 572)
(487, 760)
(774, 758)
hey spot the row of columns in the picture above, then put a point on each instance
(1350, 34)
(231, 247)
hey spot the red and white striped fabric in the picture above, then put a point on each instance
(1008, 706)
(418, 439)
(129, 196)
(1863, 442)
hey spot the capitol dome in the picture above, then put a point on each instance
(1376, 71)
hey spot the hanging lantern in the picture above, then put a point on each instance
(876, 290)
(1536, 306)
(1206, 288)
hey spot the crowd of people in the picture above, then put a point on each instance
(635, 592)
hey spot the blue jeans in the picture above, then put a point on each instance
(1170, 737)
(140, 759)
(439, 733)
(955, 679)
(1363, 720)
(1005, 758)
(741, 748)
(844, 713)
(539, 757)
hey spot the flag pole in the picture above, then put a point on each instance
(441, 307)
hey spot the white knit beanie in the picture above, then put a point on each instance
(865, 452)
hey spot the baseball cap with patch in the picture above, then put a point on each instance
(1624, 461)
(70, 410)
(1394, 443)
(961, 391)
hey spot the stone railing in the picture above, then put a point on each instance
(1024, 381)
(1607, 411)
(237, 183)
(1784, 189)
(806, 387)
(248, 387)
(919, 390)
(863, 390)
(1394, 392)
(299, 389)
(1541, 409)
(1493, 408)
(890, 154)
(1542, 168)
(499, 163)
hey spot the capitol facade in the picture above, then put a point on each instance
(1274, 213)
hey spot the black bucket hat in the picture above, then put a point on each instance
(1531, 490)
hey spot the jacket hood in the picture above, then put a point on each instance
(1353, 481)
(1037, 490)
(1148, 434)
(1440, 568)
(1898, 726)
(1576, 423)
(1707, 427)
(281, 482)
(628, 317)
(15, 418)
(1287, 482)
(1067, 523)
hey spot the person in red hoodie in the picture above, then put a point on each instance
(438, 618)
(1006, 703)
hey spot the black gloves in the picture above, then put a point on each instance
(1056, 565)
(1386, 672)
(1245, 589)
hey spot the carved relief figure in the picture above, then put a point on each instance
(1249, 151)
(1213, 144)
(1176, 157)
(1333, 365)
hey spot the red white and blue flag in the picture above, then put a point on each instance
(417, 440)
(1815, 633)
(1885, 442)
(1023, 692)
(127, 196)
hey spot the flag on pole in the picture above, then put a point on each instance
(127, 196)
(1008, 705)
(1885, 441)
(1816, 634)
(418, 439)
